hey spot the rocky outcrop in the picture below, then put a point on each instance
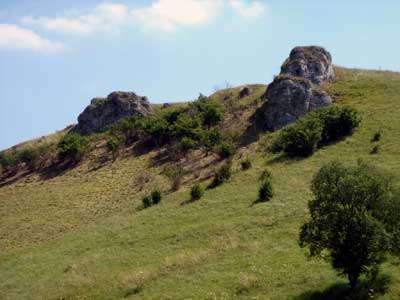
(244, 92)
(297, 90)
(313, 63)
(106, 111)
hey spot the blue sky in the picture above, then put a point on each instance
(57, 55)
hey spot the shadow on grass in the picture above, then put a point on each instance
(366, 289)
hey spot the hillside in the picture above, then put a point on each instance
(81, 233)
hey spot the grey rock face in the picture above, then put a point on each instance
(297, 90)
(106, 111)
(244, 92)
(313, 63)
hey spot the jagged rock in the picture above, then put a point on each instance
(244, 92)
(106, 111)
(313, 63)
(297, 90)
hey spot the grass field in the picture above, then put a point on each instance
(81, 235)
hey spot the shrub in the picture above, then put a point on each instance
(72, 146)
(265, 175)
(212, 115)
(113, 144)
(29, 156)
(8, 160)
(196, 192)
(175, 173)
(147, 201)
(375, 150)
(245, 164)
(337, 122)
(354, 220)
(301, 138)
(226, 150)
(210, 138)
(376, 137)
(156, 196)
(223, 174)
(265, 192)
(185, 145)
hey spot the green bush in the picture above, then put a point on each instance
(113, 144)
(29, 156)
(301, 138)
(245, 164)
(72, 146)
(196, 192)
(265, 175)
(337, 122)
(146, 201)
(223, 174)
(376, 137)
(212, 115)
(156, 196)
(265, 192)
(185, 145)
(354, 220)
(226, 150)
(210, 138)
(8, 160)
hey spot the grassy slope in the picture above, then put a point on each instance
(222, 247)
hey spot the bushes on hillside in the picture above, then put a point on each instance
(8, 160)
(265, 192)
(315, 130)
(226, 150)
(72, 147)
(223, 174)
(29, 156)
(245, 164)
(196, 192)
(154, 198)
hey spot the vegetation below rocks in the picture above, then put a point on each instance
(80, 233)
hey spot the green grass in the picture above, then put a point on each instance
(81, 235)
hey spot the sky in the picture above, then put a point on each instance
(55, 56)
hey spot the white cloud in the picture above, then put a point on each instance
(105, 17)
(15, 37)
(248, 11)
(169, 15)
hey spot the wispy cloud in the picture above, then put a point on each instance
(168, 15)
(164, 15)
(250, 10)
(15, 37)
(104, 17)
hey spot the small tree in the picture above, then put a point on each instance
(265, 192)
(156, 196)
(245, 164)
(196, 192)
(354, 219)
(146, 201)
(223, 174)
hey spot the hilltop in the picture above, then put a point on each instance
(80, 233)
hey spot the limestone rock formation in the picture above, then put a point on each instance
(297, 90)
(106, 111)
(313, 63)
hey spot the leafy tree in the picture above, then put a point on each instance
(212, 115)
(354, 220)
